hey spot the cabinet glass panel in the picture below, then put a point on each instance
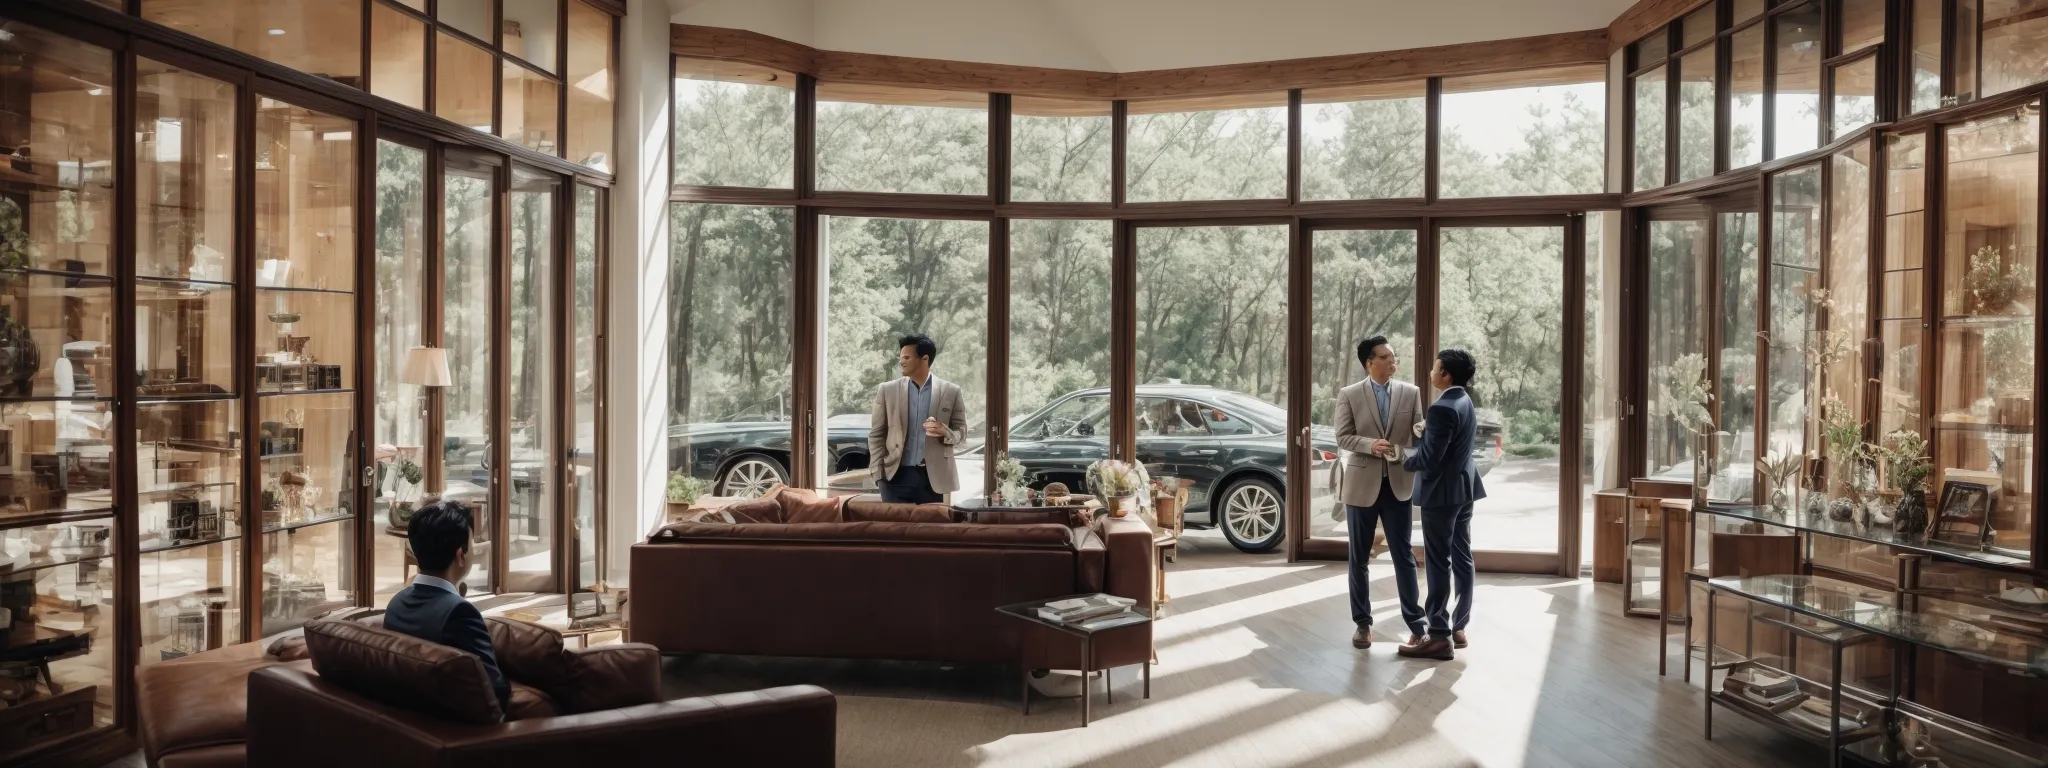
(185, 174)
(465, 81)
(1797, 89)
(188, 470)
(1905, 246)
(466, 323)
(191, 599)
(307, 571)
(64, 615)
(1649, 139)
(401, 405)
(536, 313)
(1984, 419)
(532, 110)
(184, 339)
(398, 52)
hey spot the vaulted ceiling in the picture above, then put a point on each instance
(1137, 35)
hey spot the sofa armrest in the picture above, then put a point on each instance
(1130, 569)
(1091, 558)
(300, 720)
(614, 676)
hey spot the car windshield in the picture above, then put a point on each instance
(1260, 412)
(1083, 416)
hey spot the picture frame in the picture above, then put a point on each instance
(1964, 515)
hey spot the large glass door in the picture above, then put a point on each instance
(462, 431)
(1362, 285)
(535, 314)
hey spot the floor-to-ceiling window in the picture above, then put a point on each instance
(399, 484)
(729, 409)
(1059, 347)
(532, 348)
(1363, 286)
(468, 221)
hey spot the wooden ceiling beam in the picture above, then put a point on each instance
(1643, 18)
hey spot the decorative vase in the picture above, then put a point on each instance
(1816, 503)
(1910, 517)
(1702, 469)
(1779, 500)
(1123, 505)
(1842, 509)
(400, 515)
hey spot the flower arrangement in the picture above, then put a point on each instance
(684, 489)
(1903, 453)
(1840, 431)
(1009, 471)
(1778, 469)
(1114, 479)
(1687, 396)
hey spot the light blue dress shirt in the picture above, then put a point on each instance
(1384, 394)
(918, 408)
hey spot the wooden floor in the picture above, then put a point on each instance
(1256, 669)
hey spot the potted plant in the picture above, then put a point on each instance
(1842, 434)
(1778, 469)
(1119, 484)
(405, 497)
(1903, 457)
(683, 491)
(1687, 395)
(1010, 486)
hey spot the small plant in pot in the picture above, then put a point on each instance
(1903, 456)
(1118, 484)
(1010, 485)
(683, 490)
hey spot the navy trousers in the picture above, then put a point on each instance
(1396, 517)
(911, 485)
(1447, 547)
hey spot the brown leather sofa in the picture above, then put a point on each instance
(884, 581)
(354, 694)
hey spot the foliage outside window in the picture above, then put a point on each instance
(1736, 389)
(1059, 150)
(1540, 132)
(888, 278)
(1696, 114)
(1746, 97)
(1676, 331)
(1797, 298)
(1180, 150)
(1649, 134)
(1059, 309)
(888, 139)
(1796, 114)
(735, 125)
(730, 341)
(1364, 143)
(1212, 308)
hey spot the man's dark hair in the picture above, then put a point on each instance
(436, 532)
(1366, 347)
(1458, 363)
(926, 348)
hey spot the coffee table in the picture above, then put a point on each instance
(980, 511)
(1085, 632)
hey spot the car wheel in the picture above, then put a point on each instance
(1253, 517)
(751, 476)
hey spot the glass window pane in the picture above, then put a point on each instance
(590, 80)
(1926, 54)
(307, 572)
(889, 278)
(1364, 143)
(1059, 296)
(1364, 286)
(191, 599)
(1964, 45)
(57, 209)
(1178, 150)
(1214, 301)
(1746, 98)
(398, 51)
(401, 405)
(1744, 10)
(464, 80)
(1862, 24)
(532, 109)
(1649, 139)
(1600, 393)
(1848, 281)
(185, 137)
(466, 325)
(1905, 245)
(1795, 285)
(1677, 339)
(1797, 101)
(730, 347)
(295, 33)
(1855, 94)
(887, 139)
(417, 5)
(470, 16)
(1697, 27)
(528, 31)
(1984, 418)
(1696, 115)
(735, 125)
(2013, 56)
(1539, 132)
(1653, 47)
(1735, 391)
(535, 311)
(1059, 348)
(586, 337)
(1489, 275)
(305, 200)
(1059, 150)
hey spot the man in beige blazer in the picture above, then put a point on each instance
(1376, 418)
(914, 425)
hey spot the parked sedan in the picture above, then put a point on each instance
(746, 458)
(1232, 445)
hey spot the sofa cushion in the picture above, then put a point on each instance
(863, 509)
(765, 509)
(404, 671)
(527, 702)
(199, 702)
(1042, 536)
(800, 511)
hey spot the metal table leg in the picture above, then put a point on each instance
(1087, 665)
(1148, 680)
(1027, 687)
(1835, 707)
(1708, 677)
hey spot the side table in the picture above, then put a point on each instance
(1085, 632)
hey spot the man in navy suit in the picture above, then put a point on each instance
(432, 609)
(1446, 484)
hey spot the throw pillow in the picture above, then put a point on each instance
(814, 510)
(762, 510)
(403, 671)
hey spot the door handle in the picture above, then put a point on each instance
(1206, 452)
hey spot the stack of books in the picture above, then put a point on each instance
(1083, 610)
(1769, 692)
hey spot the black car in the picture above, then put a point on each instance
(1232, 445)
(745, 458)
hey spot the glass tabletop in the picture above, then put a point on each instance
(1028, 611)
(1877, 611)
(1875, 534)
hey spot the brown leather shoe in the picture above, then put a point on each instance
(1458, 638)
(1438, 649)
(1361, 638)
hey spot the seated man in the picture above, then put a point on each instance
(431, 609)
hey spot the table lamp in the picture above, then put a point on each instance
(426, 367)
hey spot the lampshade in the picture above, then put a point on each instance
(426, 367)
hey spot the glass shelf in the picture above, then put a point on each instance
(1820, 524)
(309, 522)
(1879, 612)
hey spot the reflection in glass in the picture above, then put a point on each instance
(1363, 142)
(305, 455)
(1735, 390)
(1862, 25)
(528, 31)
(72, 608)
(184, 338)
(185, 145)
(1926, 55)
(1746, 97)
(1501, 298)
(57, 212)
(1676, 335)
(1985, 411)
(730, 346)
(1848, 278)
(398, 50)
(59, 456)
(1797, 105)
(1364, 286)
(1855, 96)
(585, 338)
(1963, 44)
(1696, 114)
(470, 16)
(1697, 27)
(532, 109)
(590, 81)
(1905, 250)
(1539, 132)
(1600, 387)
(747, 112)
(887, 278)
(300, 34)
(400, 429)
(535, 312)
(307, 572)
(466, 325)
(1187, 153)
(1649, 139)
(1059, 296)
(1794, 282)
(464, 81)
(1059, 150)
(2013, 57)
(188, 469)
(191, 599)
(889, 139)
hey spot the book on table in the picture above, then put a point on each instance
(1080, 609)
